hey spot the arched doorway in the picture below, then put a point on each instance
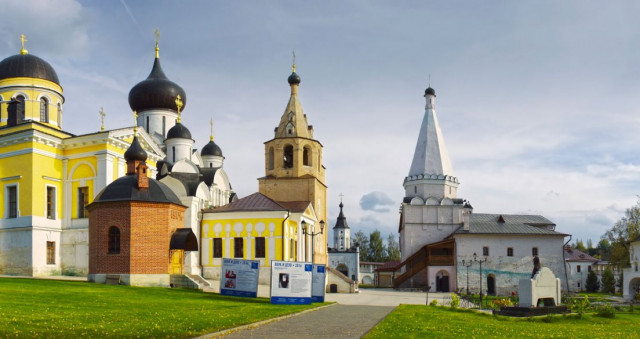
(342, 268)
(442, 281)
(491, 284)
(634, 287)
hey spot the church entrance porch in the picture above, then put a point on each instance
(634, 287)
(342, 268)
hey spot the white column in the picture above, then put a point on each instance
(66, 194)
(105, 172)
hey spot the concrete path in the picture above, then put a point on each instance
(352, 316)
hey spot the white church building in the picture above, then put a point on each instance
(442, 240)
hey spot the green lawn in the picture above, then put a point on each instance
(45, 308)
(413, 321)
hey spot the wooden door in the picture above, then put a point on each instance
(177, 260)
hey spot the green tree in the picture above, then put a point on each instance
(361, 240)
(376, 247)
(592, 283)
(622, 233)
(393, 249)
(604, 249)
(579, 245)
(608, 281)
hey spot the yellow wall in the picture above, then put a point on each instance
(33, 89)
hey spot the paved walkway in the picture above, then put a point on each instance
(352, 316)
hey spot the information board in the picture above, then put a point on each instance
(318, 279)
(239, 277)
(291, 282)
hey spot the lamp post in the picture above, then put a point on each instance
(312, 234)
(480, 261)
(467, 264)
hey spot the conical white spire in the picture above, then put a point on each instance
(431, 173)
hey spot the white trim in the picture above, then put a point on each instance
(51, 179)
(73, 169)
(18, 92)
(15, 177)
(55, 201)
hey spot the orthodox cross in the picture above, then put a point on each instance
(294, 61)
(157, 33)
(135, 123)
(341, 195)
(179, 105)
(23, 39)
(211, 123)
(102, 115)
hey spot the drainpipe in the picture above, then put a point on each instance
(283, 221)
(566, 277)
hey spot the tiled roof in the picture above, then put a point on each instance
(388, 266)
(481, 223)
(295, 206)
(577, 255)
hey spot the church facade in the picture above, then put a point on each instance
(443, 241)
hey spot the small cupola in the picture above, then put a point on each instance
(212, 153)
(136, 165)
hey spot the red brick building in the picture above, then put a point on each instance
(136, 234)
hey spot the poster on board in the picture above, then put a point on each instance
(318, 279)
(291, 282)
(239, 277)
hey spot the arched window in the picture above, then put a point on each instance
(44, 110)
(287, 157)
(20, 107)
(306, 156)
(114, 240)
(270, 158)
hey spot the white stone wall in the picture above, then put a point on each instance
(155, 123)
(182, 149)
(631, 275)
(425, 224)
(507, 270)
(578, 280)
(74, 251)
(349, 259)
(15, 257)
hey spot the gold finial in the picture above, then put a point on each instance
(135, 123)
(23, 39)
(179, 104)
(429, 80)
(157, 33)
(102, 115)
(341, 195)
(211, 123)
(293, 66)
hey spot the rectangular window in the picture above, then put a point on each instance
(579, 269)
(51, 202)
(260, 247)
(510, 252)
(291, 249)
(51, 252)
(589, 268)
(485, 251)
(83, 201)
(534, 251)
(12, 192)
(217, 247)
(238, 248)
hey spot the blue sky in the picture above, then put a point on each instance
(536, 99)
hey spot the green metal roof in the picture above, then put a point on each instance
(481, 223)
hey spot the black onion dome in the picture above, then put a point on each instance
(341, 222)
(126, 189)
(28, 66)
(135, 151)
(157, 91)
(294, 79)
(179, 131)
(430, 91)
(211, 149)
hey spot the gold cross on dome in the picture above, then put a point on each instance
(102, 115)
(135, 122)
(23, 39)
(293, 67)
(157, 33)
(211, 123)
(179, 105)
(341, 195)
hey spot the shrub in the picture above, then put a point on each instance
(606, 311)
(579, 305)
(433, 303)
(592, 283)
(548, 318)
(455, 300)
(497, 303)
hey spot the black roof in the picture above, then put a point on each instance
(126, 189)
(430, 91)
(190, 181)
(342, 221)
(208, 173)
(157, 91)
(183, 239)
(294, 79)
(135, 151)
(211, 149)
(27, 65)
(179, 131)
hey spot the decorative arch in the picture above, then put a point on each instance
(342, 268)
(634, 286)
(77, 165)
(417, 201)
(306, 156)
(432, 201)
(16, 109)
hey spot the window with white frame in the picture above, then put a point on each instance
(11, 201)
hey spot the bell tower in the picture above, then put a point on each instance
(293, 163)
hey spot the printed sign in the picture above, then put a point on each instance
(239, 277)
(318, 279)
(291, 282)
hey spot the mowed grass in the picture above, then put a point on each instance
(45, 308)
(413, 321)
